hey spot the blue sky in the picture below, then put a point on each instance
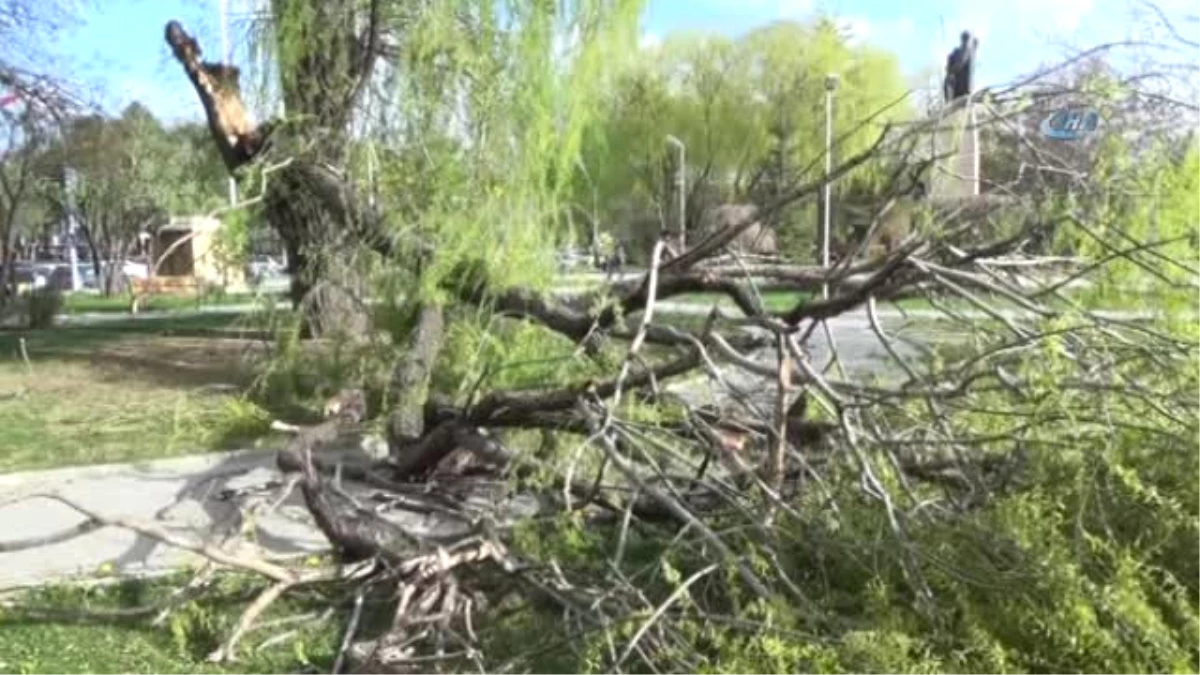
(117, 47)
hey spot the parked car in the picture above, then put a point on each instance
(262, 267)
(28, 275)
(60, 278)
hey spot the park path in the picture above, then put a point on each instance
(185, 496)
(203, 498)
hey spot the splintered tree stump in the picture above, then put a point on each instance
(310, 204)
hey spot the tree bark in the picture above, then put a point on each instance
(411, 379)
(313, 209)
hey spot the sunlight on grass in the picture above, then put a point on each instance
(60, 413)
(80, 303)
(32, 641)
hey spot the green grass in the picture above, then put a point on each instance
(45, 631)
(57, 340)
(125, 390)
(68, 412)
(88, 303)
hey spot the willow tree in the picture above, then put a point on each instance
(751, 112)
(482, 107)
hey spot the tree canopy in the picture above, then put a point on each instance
(750, 111)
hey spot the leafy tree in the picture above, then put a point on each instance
(29, 101)
(750, 111)
(130, 174)
(999, 505)
(25, 135)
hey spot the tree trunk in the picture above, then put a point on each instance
(314, 210)
(91, 244)
(7, 274)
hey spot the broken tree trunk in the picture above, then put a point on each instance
(309, 202)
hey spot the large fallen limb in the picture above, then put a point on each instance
(410, 380)
(513, 405)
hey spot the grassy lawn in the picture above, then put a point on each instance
(46, 631)
(125, 390)
(66, 412)
(88, 303)
(73, 340)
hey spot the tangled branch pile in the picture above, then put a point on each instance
(1002, 480)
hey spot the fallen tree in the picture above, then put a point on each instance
(810, 518)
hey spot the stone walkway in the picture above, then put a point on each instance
(183, 496)
(201, 497)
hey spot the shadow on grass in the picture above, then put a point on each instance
(57, 341)
(111, 628)
(133, 389)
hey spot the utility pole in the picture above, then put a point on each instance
(70, 180)
(681, 185)
(831, 84)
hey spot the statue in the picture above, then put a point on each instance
(960, 67)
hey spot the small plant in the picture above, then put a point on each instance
(240, 419)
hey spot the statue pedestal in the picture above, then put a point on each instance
(955, 142)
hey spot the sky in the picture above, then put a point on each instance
(116, 46)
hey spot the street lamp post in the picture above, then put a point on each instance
(681, 186)
(71, 180)
(831, 85)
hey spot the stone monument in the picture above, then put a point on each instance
(960, 69)
(956, 135)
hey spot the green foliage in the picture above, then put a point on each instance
(485, 353)
(491, 100)
(1142, 215)
(751, 113)
(239, 420)
(1083, 561)
(232, 244)
(34, 640)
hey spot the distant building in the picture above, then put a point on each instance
(190, 258)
